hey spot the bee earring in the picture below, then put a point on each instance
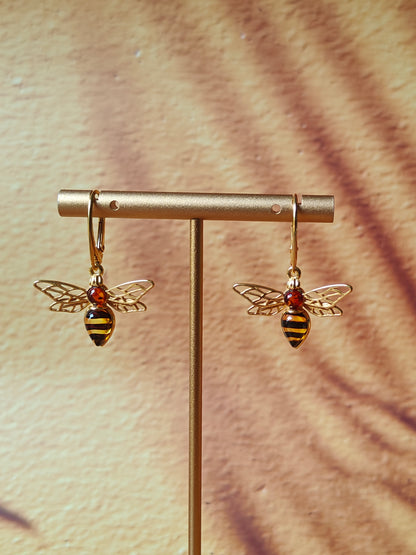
(295, 319)
(99, 319)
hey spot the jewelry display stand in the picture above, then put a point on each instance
(196, 207)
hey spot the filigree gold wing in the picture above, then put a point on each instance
(265, 301)
(66, 297)
(125, 297)
(322, 301)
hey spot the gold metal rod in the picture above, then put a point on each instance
(195, 387)
(205, 206)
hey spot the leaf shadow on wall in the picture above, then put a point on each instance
(14, 518)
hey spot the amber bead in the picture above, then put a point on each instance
(294, 298)
(97, 295)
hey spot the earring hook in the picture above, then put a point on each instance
(96, 248)
(294, 271)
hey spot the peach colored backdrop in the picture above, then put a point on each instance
(305, 452)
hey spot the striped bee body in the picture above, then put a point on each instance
(296, 325)
(99, 322)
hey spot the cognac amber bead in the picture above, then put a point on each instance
(294, 298)
(97, 295)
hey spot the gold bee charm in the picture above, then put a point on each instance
(99, 319)
(295, 321)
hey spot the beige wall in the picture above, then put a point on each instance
(305, 452)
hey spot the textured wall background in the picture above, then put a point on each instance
(305, 452)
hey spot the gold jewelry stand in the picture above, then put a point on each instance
(196, 207)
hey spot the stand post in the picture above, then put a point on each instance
(195, 387)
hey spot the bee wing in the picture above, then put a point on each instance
(322, 301)
(265, 300)
(66, 297)
(125, 297)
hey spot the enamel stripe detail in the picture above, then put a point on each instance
(296, 325)
(99, 323)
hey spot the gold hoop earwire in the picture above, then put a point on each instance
(294, 237)
(96, 248)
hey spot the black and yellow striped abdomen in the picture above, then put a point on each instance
(296, 325)
(99, 322)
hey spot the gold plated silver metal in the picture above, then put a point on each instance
(295, 321)
(71, 298)
(96, 247)
(294, 235)
(99, 301)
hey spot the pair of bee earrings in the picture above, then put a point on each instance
(99, 317)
